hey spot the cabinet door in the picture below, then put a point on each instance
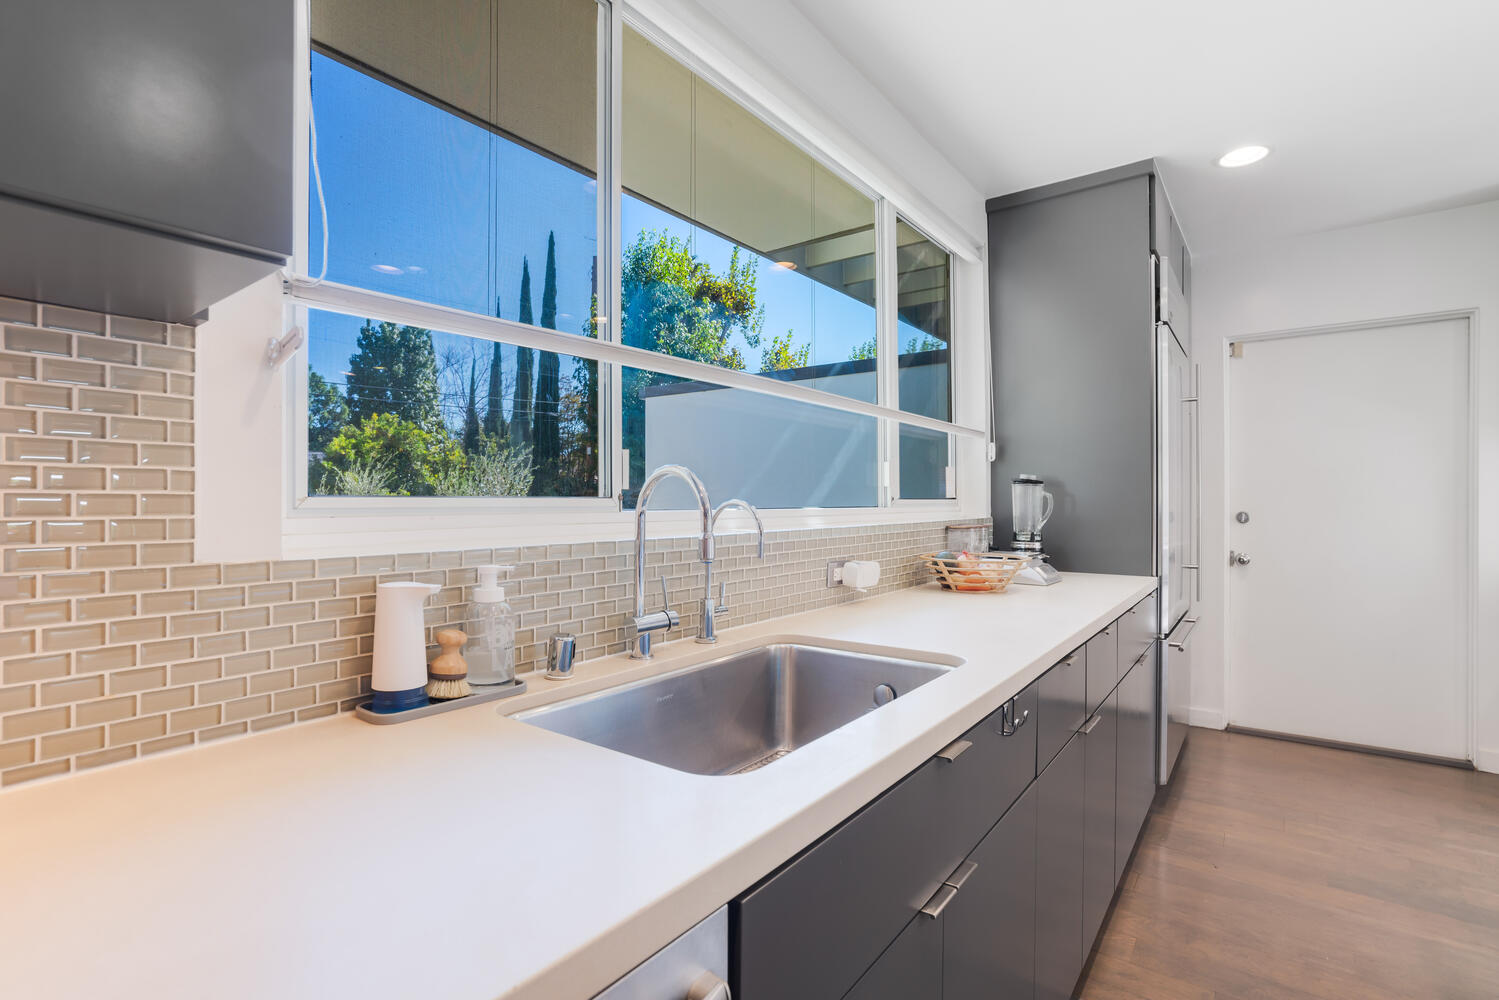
(171, 114)
(1059, 873)
(989, 941)
(1062, 697)
(910, 969)
(1103, 666)
(811, 929)
(1099, 750)
(1137, 756)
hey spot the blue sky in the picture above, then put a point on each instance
(428, 206)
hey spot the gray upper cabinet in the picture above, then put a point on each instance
(1072, 311)
(145, 150)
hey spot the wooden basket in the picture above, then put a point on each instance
(973, 574)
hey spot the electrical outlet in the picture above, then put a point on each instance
(835, 571)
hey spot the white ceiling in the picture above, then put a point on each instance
(1372, 108)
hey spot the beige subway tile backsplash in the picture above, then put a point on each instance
(117, 645)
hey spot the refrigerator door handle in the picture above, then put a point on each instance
(1180, 643)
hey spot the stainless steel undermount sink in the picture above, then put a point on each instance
(739, 712)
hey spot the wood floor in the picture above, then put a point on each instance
(1281, 871)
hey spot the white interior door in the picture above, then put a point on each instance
(1348, 453)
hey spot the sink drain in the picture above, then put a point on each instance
(884, 694)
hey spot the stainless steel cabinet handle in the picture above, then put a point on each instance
(962, 874)
(1008, 723)
(938, 902)
(954, 750)
(708, 987)
(1090, 725)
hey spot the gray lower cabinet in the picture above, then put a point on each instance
(1100, 736)
(812, 929)
(1060, 818)
(989, 937)
(1062, 702)
(985, 874)
(910, 969)
(1103, 666)
(1136, 756)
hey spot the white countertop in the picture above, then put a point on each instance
(468, 855)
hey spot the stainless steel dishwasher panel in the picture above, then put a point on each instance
(695, 966)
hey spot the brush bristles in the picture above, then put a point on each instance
(448, 689)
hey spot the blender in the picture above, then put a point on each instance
(1030, 509)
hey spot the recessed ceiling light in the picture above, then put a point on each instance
(385, 268)
(786, 264)
(1243, 156)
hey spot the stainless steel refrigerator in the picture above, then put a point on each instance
(1179, 529)
(1094, 391)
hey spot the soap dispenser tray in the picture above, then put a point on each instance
(494, 693)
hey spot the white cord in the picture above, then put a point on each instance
(317, 180)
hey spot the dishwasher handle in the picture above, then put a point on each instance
(708, 987)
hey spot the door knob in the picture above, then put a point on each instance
(1238, 559)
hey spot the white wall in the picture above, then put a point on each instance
(1438, 262)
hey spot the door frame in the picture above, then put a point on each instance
(1470, 471)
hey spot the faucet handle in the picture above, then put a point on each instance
(671, 619)
(722, 607)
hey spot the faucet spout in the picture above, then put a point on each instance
(708, 631)
(644, 624)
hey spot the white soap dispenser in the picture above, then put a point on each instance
(491, 629)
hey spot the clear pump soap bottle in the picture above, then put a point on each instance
(491, 629)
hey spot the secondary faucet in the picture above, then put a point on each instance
(707, 633)
(666, 618)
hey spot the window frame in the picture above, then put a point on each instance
(606, 511)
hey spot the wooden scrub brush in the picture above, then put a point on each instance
(449, 672)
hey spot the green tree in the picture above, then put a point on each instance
(546, 439)
(521, 407)
(864, 352)
(327, 413)
(408, 458)
(493, 469)
(394, 370)
(494, 413)
(471, 425)
(925, 342)
(780, 356)
(674, 303)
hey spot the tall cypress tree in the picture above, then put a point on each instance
(546, 436)
(522, 408)
(494, 414)
(471, 439)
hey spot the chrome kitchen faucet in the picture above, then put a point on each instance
(667, 619)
